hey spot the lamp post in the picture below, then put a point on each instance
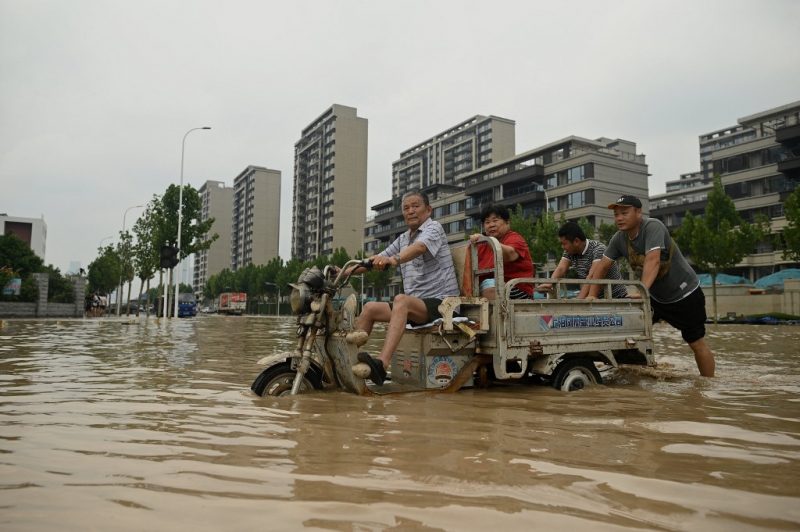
(119, 293)
(546, 200)
(100, 244)
(180, 211)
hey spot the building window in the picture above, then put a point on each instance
(576, 199)
(575, 174)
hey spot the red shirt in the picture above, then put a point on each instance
(522, 267)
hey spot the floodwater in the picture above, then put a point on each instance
(137, 425)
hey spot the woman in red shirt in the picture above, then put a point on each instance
(516, 255)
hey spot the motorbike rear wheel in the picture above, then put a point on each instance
(575, 374)
(277, 380)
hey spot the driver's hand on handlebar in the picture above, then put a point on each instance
(380, 262)
(474, 237)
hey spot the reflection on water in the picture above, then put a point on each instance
(144, 425)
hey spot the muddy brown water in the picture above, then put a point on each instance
(137, 425)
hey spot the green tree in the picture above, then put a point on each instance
(59, 288)
(339, 257)
(791, 233)
(104, 271)
(18, 260)
(719, 239)
(545, 240)
(146, 250)
(194, 231)
(605, 231)
(521, 224)
(17, 255)
(126, 266)
(588, 228)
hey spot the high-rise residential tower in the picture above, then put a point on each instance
(256, 216)
(216, 202)
(476, 142)
(330, 184)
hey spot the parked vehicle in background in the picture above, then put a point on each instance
(187, 305)
(232, 303)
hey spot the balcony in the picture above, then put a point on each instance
(789, 166)
(789, 132)
(524, 173)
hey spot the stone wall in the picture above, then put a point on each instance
(737, 300)
(41, 308)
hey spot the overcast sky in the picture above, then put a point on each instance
(95, 96)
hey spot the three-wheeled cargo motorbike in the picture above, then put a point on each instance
(556, 340)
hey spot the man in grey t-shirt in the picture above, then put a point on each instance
(675, 293)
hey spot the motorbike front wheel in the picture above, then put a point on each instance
(277, 380)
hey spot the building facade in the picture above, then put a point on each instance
(463, 148)
(216, 202)
(330, 184)
(758, 162)
(32, 231)
(255, 221)
(684, 195)
(574, 177)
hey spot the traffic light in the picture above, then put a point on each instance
(169, 256)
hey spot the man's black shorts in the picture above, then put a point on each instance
(687, 315)
(432, 306)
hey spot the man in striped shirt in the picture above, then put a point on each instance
(426, 265)
(583, 255)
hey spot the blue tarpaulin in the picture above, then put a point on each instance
(776, 279)
(723, 278)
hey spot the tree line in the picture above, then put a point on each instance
(714, 242)
(262, 281)
(137, 254)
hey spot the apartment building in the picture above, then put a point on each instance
(32, 231)
(441, 159)
(330, 184)
(216, 201)
(687, 194)
(758, 161)
(574, 177)
(256, 217)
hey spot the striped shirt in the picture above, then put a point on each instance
(582, 263)
(431, 274)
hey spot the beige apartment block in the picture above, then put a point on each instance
(330, 184)
(256, 218)
(216, 202)
(476, 142)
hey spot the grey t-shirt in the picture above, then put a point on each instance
(676, 279)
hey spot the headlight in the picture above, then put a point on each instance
(300, 299)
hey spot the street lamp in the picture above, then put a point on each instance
(546, 199)
(180, 211)
(119, 294)
(100, 244)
